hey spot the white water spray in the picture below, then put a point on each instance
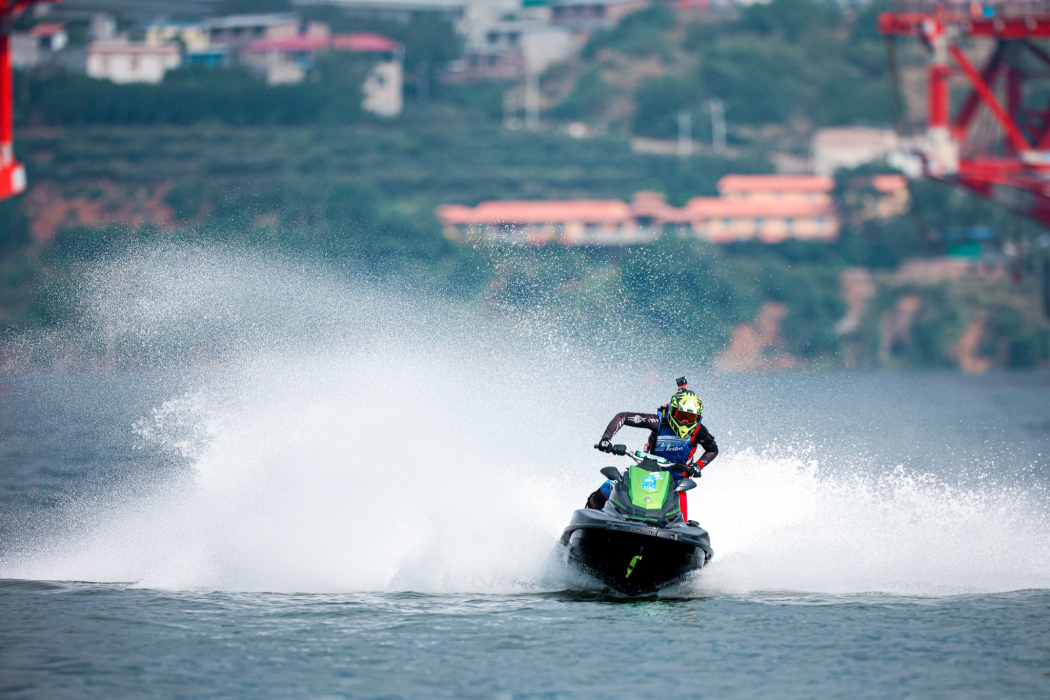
(355, 439)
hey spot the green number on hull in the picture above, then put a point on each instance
(630, 567)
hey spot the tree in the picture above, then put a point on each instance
(760, 82)
(790, 19)
(658, 102)
(250, 7)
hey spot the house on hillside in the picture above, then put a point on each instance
(193, 37)
(767, 208)
(235, 32)
(288, 59)
(589, 15)
(764, 208)
(850, 146)
(585, 222)
(122, 61)
(39, 45)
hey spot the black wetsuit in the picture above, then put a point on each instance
(701, 438)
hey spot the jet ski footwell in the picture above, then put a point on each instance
(634, 558)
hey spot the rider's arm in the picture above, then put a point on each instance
(704, 438)
(634, 420)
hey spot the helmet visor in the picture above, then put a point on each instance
(685, 417)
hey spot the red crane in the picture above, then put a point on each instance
(1012, 168)
(12, 173)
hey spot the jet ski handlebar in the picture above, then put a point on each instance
(636, 455)
(614, 449)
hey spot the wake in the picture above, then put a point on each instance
(346, 437)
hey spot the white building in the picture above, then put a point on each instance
(850, 147)
(121, 61)
(192, 36)
(38, 45)
(589, 15)
(384, 88)
(236, 32)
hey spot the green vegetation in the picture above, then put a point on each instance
(195, 94)
(301, 169)
(774, 63)
(639, 34)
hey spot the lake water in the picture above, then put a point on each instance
(114, 585)
(278, 483)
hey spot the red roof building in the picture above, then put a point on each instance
(286, 59)
(767, 208)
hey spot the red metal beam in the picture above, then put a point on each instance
(1020, 178)
(1013, 132)
(1021, 27)
(12, 174)
(961, 123)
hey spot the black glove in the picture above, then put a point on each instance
(604, 446)
(693, 470)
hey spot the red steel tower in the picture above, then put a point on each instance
(1014, 167)
(12, 173)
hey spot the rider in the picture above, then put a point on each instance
(676, 431)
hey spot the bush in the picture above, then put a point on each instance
(760, 82)
(658, 102)
(195, 94)
(637, 34)
(589, 97)
(14, 227)
(791, 20)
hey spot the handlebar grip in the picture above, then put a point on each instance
(614, 449)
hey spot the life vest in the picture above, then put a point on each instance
(666, 443)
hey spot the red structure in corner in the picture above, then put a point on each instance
(12, 174)
(1014, 167)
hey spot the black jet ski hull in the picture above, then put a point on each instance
(634, 558)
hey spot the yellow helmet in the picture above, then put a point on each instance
(684, 412)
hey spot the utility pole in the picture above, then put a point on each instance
(717, 108)
(423, 81)
(685, 134)
(532, 99)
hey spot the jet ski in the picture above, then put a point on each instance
(639, 542)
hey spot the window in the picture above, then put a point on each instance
(790, 224)
(758, 225)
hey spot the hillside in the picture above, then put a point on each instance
(218, 157)
(796, 64)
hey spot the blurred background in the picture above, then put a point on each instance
(791, 184)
